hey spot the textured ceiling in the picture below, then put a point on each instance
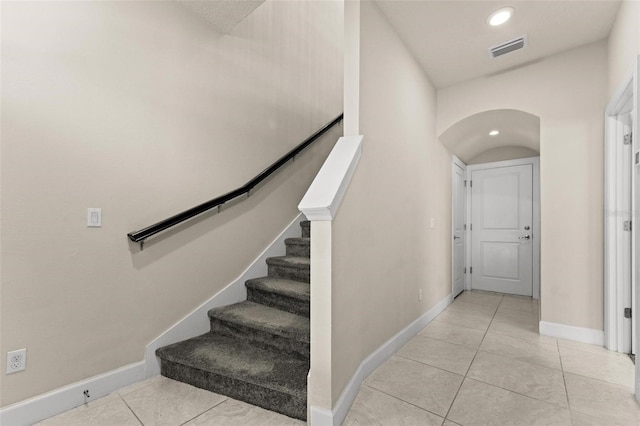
(450, 38)
(224, 15)
(470, 137)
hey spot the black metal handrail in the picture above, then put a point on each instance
(141, 235)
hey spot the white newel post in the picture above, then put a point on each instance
(320, 205)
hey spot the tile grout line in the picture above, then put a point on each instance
(207, 410)
(463, 377)
(130, 409)
(571, 410)
(525, 340)
(476, 351)
(517, 393)
(428, 365)
(181, 424)
(499, 387)
(601, 381)
(139, 385)
(512, 358)
(522, 338)
(564, 380)
(538, 365)
(471, 363)
(483, 337)
(580, 351)
(400, 399)
(446, 341)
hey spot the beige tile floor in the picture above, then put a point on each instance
(481, 362)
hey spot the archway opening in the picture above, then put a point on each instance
(470, 139)
(496, 193)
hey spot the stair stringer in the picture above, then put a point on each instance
(196, 322)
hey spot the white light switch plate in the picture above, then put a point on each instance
(94, 218)
(433, 222)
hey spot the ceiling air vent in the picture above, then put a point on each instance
(508, 46)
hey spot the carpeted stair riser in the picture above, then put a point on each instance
(298, 247)
(288, 405)
(279, 301)
(306, 229)
(262, 339)
(290, 271)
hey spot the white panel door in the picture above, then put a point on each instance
(501, 229)
(459, 212)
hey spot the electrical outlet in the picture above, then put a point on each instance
(16, 361)
(420, 295)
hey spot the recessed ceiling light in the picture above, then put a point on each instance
(494, 132)
(500, 16)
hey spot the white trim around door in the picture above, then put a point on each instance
(535, 231)
(621, 247)
(619, 206)
(458, 236)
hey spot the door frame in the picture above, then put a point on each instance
(456, 162)
(535, 226)
(619, 255)
(615, 298)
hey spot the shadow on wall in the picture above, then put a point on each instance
(472, 139)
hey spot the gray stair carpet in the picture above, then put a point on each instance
(287, 295)
(298, 247)
(256, 351)
(295, 268)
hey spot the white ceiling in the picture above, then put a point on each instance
(450, 38)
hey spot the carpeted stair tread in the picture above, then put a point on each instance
(298, 241)
(238, 369)
(289, 261)
(289, 288)
(239, 359)
(265, 319)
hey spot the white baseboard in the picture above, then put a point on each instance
(65, 398)
(322, 417)
(569, 332)
(195, 323)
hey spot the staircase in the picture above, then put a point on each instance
(258, 350)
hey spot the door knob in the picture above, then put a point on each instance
(456, 238)
(526, 237)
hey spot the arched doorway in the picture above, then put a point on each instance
(496, 224)
(469, 139)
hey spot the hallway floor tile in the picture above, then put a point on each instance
(438, 353)
(480, 362)
(478, 403)
(440, 330)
